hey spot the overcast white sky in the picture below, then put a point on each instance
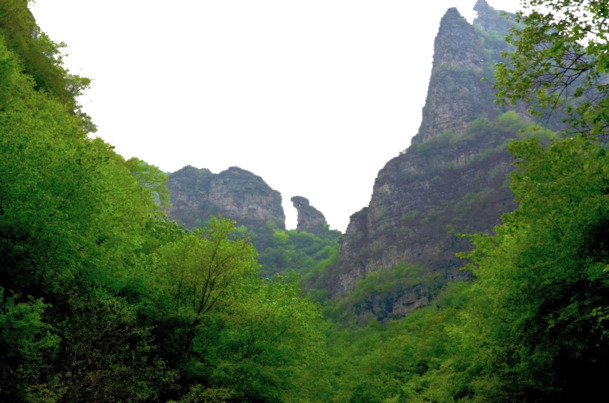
(314, 96)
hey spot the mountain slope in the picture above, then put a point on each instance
(452, 179)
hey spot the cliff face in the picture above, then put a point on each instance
(451, 179)
(235, 194)
(239, 195)
(490, 20)
(463, 56)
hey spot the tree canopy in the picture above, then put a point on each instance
(560, 62)
(102, 296)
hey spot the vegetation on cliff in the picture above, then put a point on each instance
(239, 195)
(453, 177)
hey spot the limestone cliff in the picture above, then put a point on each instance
(235, 194)
(490, 20)
(452, 179)
(239, 195)
(463, 56)
(309, 218)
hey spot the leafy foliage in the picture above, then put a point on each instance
(41, 58)
(403, 360)
(545, 271)
(560, 62)
(152, 178)
(295, 251)
(102, 297)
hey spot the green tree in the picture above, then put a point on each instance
(75, 227)
(153, 178)
(41, 58)
(28, 346)
(102, 298)
(542, 279)
(272, 345)
(200, 267)
(560, 62)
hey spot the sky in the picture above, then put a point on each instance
(314, 96)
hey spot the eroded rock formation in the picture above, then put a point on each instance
(235, 194)
(451, 179)
(309, 218)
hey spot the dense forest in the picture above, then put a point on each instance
(103, 297)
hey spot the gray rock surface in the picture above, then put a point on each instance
(235, 194)
(452, 179)
(309, 218)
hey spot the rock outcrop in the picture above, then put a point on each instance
(490, 20)
(239, 195)
(394, 304)
(452, 179)
(235, 194)
(309, 218)
(457, 95)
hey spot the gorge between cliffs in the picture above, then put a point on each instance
(477, 272)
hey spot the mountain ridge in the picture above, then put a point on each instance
(452, 178)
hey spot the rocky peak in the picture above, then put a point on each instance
(456, 95)
(309, 218)
(490, 19)
(451, 180)
(457, 43)
(235, 194)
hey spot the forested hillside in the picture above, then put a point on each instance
(104, 298)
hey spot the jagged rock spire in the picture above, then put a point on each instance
(455, 96)
(416, 206)
(309, 218)
(491, 20)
